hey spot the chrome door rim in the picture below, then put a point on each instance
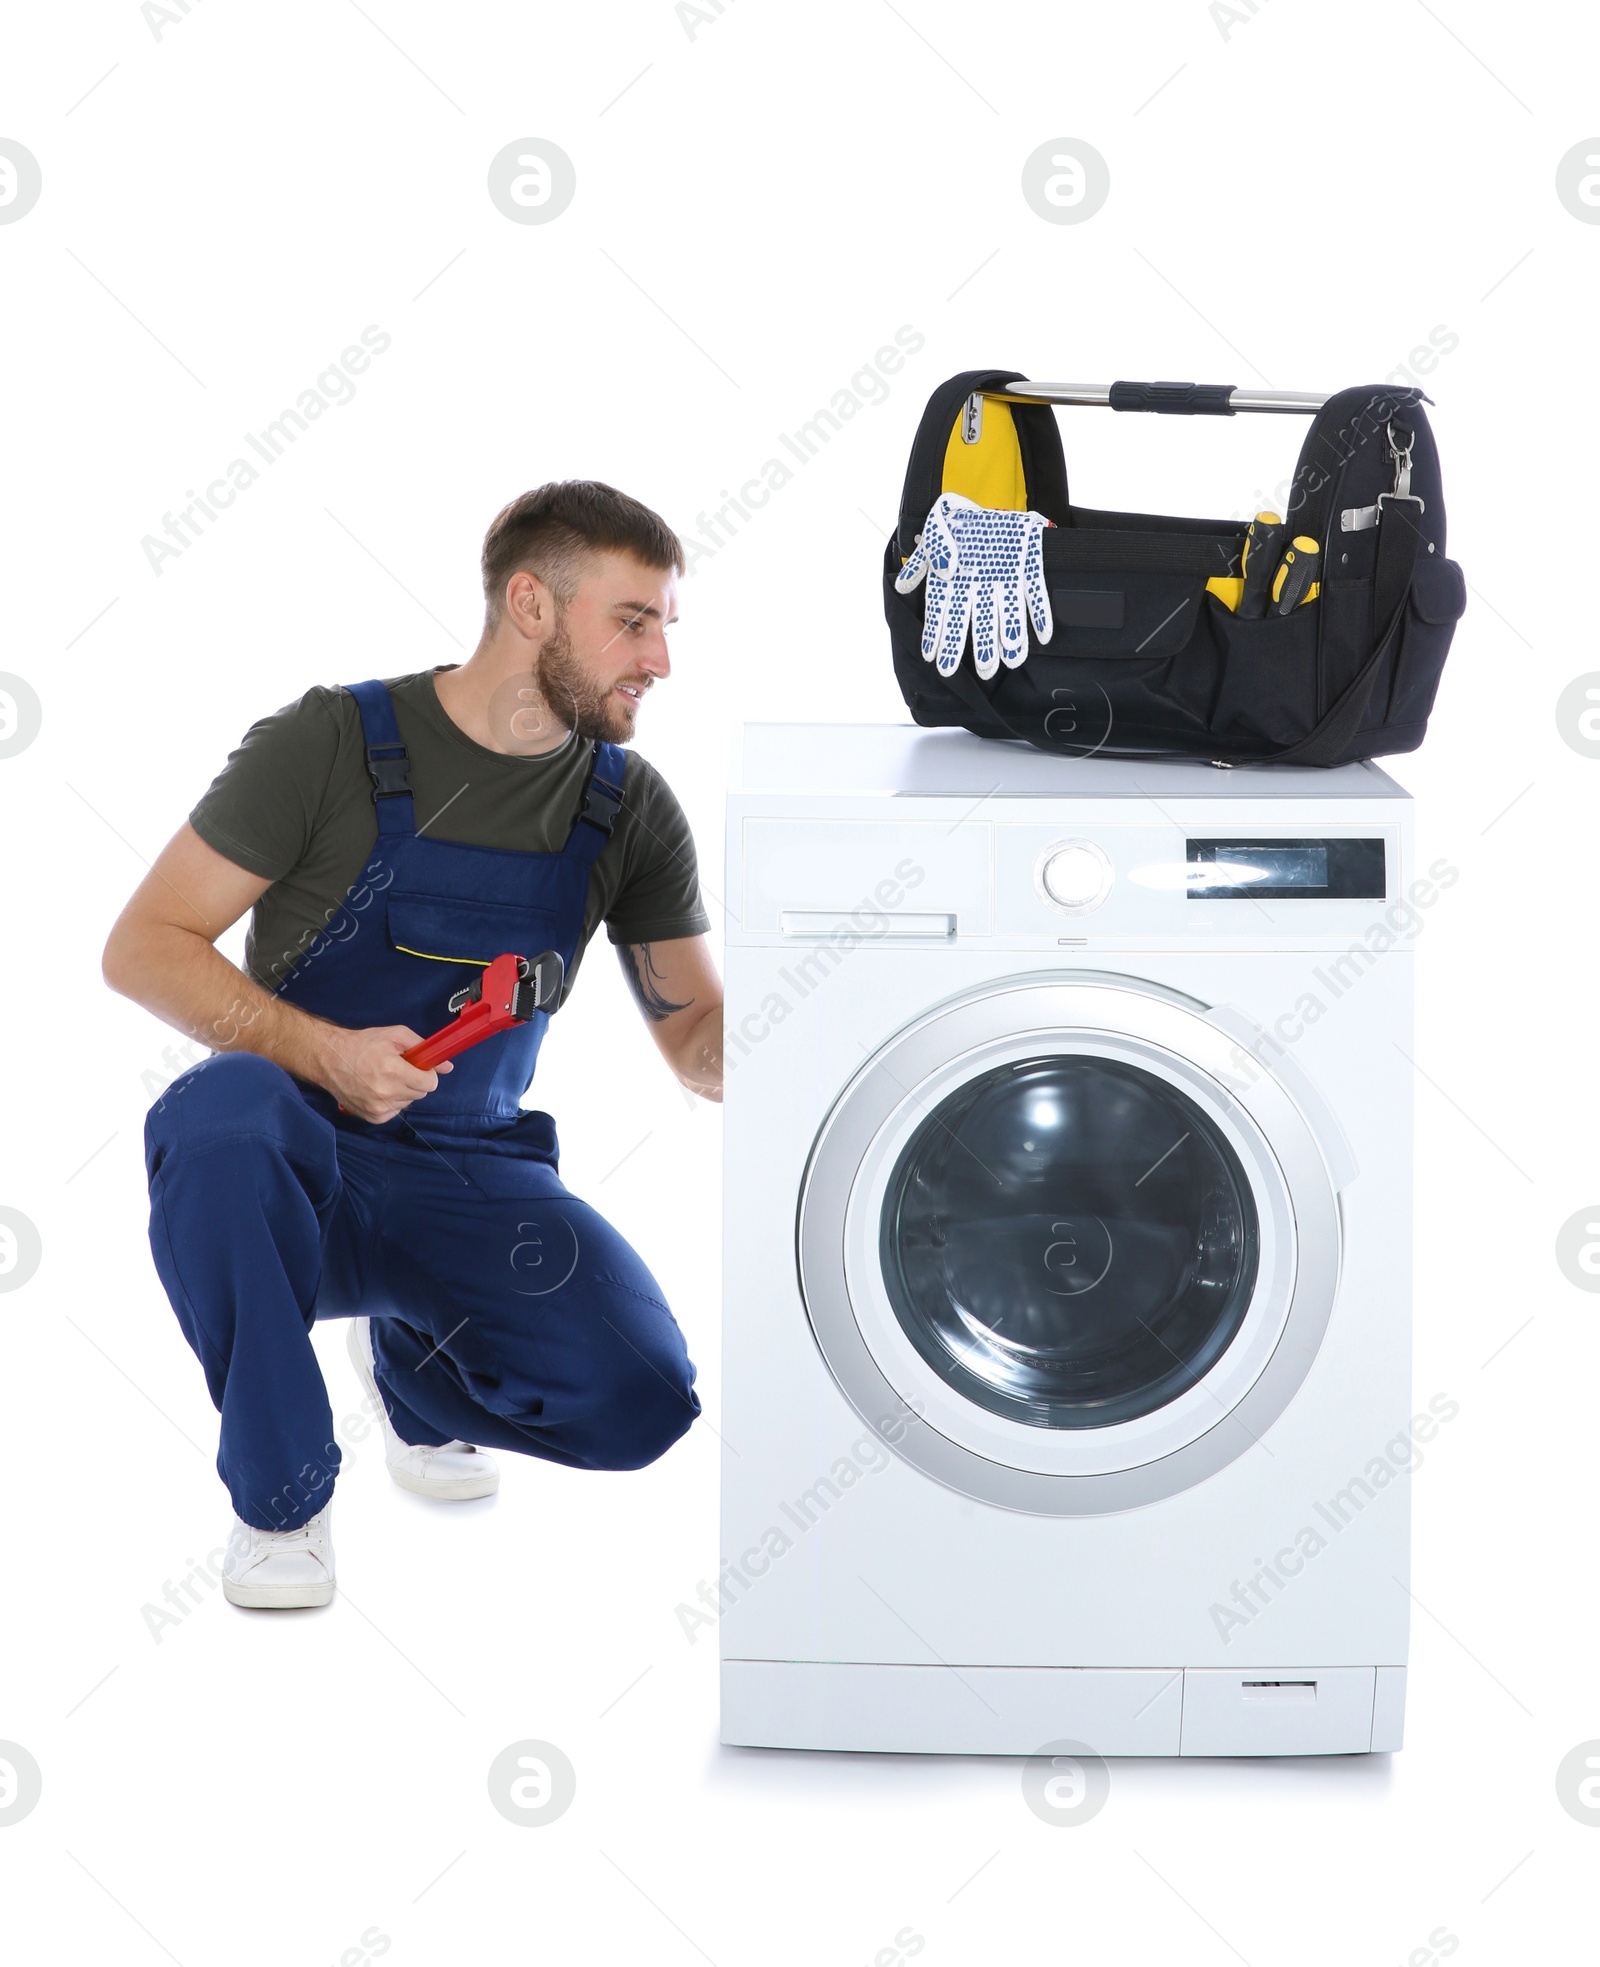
(988, 1456)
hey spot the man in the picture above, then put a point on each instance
(390, 841)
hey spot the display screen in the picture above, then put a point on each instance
(1277, 870)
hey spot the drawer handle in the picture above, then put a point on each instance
(868, 924)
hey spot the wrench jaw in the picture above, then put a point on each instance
(537, 986)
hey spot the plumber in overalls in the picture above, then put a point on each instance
(390, 839)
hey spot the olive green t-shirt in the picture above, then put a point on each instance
(294, 804)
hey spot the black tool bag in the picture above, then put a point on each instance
(1147, 659)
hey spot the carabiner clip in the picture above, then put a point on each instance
(1402, 460)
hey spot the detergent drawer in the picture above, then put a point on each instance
(863, 874)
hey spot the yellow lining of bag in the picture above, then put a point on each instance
(989, 472)
(427, 956)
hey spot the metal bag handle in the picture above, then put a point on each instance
(1170, 399)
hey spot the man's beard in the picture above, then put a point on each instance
(593, 711)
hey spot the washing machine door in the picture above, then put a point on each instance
(1071, 1245)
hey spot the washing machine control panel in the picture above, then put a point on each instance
(1058, 877)
(1085, 883)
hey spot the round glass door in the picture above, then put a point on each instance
(1062, 1251)
(1069, 1242)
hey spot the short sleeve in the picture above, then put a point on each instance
(261, 809)
(659, 899)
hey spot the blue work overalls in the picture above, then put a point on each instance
(504, 1311)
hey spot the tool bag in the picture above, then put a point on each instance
(1147, 658)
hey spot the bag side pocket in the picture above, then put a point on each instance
(1437, 600)
(1267, 691)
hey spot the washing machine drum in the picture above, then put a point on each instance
(1062, 1250)
(1069, 1242)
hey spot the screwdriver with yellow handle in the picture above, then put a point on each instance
(1263, 545)
(1296, 578)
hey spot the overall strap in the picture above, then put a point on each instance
(388, 766)
(601, 802)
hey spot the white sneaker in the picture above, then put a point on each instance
(279, 1570)
(454, 1473)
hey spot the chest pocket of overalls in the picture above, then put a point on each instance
(448, 930)
(448, 940)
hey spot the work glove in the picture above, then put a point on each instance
(982, 567)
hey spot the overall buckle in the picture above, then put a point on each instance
(601, 804)
(390, 771)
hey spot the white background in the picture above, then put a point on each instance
(1297, 197)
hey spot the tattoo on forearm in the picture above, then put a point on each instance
(644, 980)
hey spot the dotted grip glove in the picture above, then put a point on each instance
(982, 567)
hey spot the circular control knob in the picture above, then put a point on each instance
(1075, 875)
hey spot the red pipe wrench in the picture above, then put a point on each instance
(510, 991)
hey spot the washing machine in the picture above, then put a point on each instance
(1067, 1251)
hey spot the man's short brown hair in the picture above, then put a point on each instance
(553, 529)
